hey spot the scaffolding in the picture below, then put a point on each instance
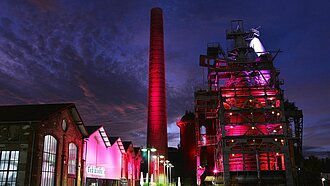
(246, 133)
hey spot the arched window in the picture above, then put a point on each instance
(72, 164)
(72, 158)
(49, 161)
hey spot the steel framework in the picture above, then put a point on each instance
(246, 133)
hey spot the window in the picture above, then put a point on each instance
(8, 167)
(49, 161)
(202, 130)
(72, 158)
(72, 164)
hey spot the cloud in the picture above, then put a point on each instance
(95, 53)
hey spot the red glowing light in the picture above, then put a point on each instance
(157, 117)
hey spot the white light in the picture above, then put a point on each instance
(257, 46)
(153, 150)
(323, 179)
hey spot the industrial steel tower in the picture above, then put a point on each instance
(247, 134)
(157, 117)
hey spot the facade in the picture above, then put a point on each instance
(41, 145)
(109, 161)
(131, 161)
(246, 133)
(103, 158)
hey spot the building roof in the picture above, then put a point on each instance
(136, 149)
(39, 112)
(113, 140)
(126, 144)
(13, 113)
(92, 129)
(100, 129)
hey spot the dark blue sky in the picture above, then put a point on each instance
(95, 54)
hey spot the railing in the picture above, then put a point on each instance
(207, 140)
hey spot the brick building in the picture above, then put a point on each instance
(41, 145)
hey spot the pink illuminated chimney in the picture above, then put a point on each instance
(157, 117)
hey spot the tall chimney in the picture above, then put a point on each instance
(157, 117)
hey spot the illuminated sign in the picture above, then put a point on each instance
(92, 169)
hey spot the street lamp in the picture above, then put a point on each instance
(148, 157)
(156, 165)
(165, 164)
(170, 166)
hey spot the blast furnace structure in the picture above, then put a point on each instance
(246, 133)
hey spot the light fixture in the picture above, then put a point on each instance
(153, 150)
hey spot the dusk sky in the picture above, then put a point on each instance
(95, 54)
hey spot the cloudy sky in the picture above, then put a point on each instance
(95, 54)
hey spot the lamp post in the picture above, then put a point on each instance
(170, 166)
(323, 180)
(165, 164)
(156, 165)
(148, 150)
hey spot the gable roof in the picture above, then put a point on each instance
(12, 113)
(113, 140)
(136, 149)
(92, 129)
(39, 112)
(126, 144)
(117, 140)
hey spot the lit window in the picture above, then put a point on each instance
(49, 161)
(72, 158)
(202, 130)
(8, 167)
